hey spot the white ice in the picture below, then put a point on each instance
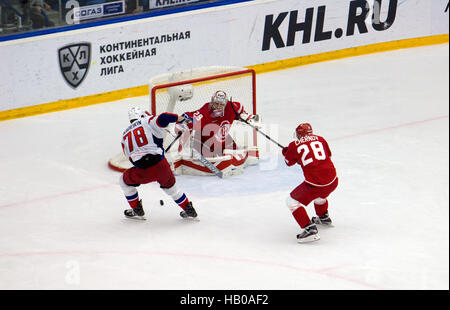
(385, 117)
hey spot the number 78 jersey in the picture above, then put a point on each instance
(313, 154)
(144, 136)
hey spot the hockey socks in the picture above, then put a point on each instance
(177, 195)
(133, 200)
(131, 193)
(301, 216)
(321, 206)
(298, 211)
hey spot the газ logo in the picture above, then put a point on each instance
(74, 62)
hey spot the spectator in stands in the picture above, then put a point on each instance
(130, 6)
(38, 14)
(7, 16)
(145, 5)
(136, 6)
(26, 9)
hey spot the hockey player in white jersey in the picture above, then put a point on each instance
(142, 144)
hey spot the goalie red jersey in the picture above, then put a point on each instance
(219, 124)
(212, 122)
(313, 154)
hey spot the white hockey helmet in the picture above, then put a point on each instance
(181, 92)
(135, 113)
(218, 102)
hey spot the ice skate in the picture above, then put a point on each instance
(136, 213)
(310, 233)
(322, 220)
(189, 212)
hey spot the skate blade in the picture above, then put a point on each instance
(309, 239)
(325, 225)
(191, 219)
(136, 218)
(318, 222)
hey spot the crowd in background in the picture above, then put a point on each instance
(18, 16)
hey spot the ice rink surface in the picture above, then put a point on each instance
(385, 117)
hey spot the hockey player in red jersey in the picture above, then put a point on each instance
(142, 144)
(313, 154)
(211, 124)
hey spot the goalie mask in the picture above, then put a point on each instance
(303, 129)
(135, 113)
(218, 103)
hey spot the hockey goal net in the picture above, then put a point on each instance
(189, 90)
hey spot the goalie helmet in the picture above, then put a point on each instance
(135, 113)
(217, 104)
(303, 129)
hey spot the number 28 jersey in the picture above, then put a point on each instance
(313, 154)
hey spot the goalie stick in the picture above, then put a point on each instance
(207, 163)
(254, 127)
(198, 156)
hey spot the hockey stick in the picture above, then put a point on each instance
(204, 161)
(207, 163)
(176, 138)
(173, 142)
(254, 127)
(199, 156)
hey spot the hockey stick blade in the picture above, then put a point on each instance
(207, 163)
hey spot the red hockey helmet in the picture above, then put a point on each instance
(303, 129)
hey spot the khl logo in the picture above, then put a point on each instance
(74, 60)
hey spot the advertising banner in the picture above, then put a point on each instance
(108, 58)
(98, 10)
(157, 4)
